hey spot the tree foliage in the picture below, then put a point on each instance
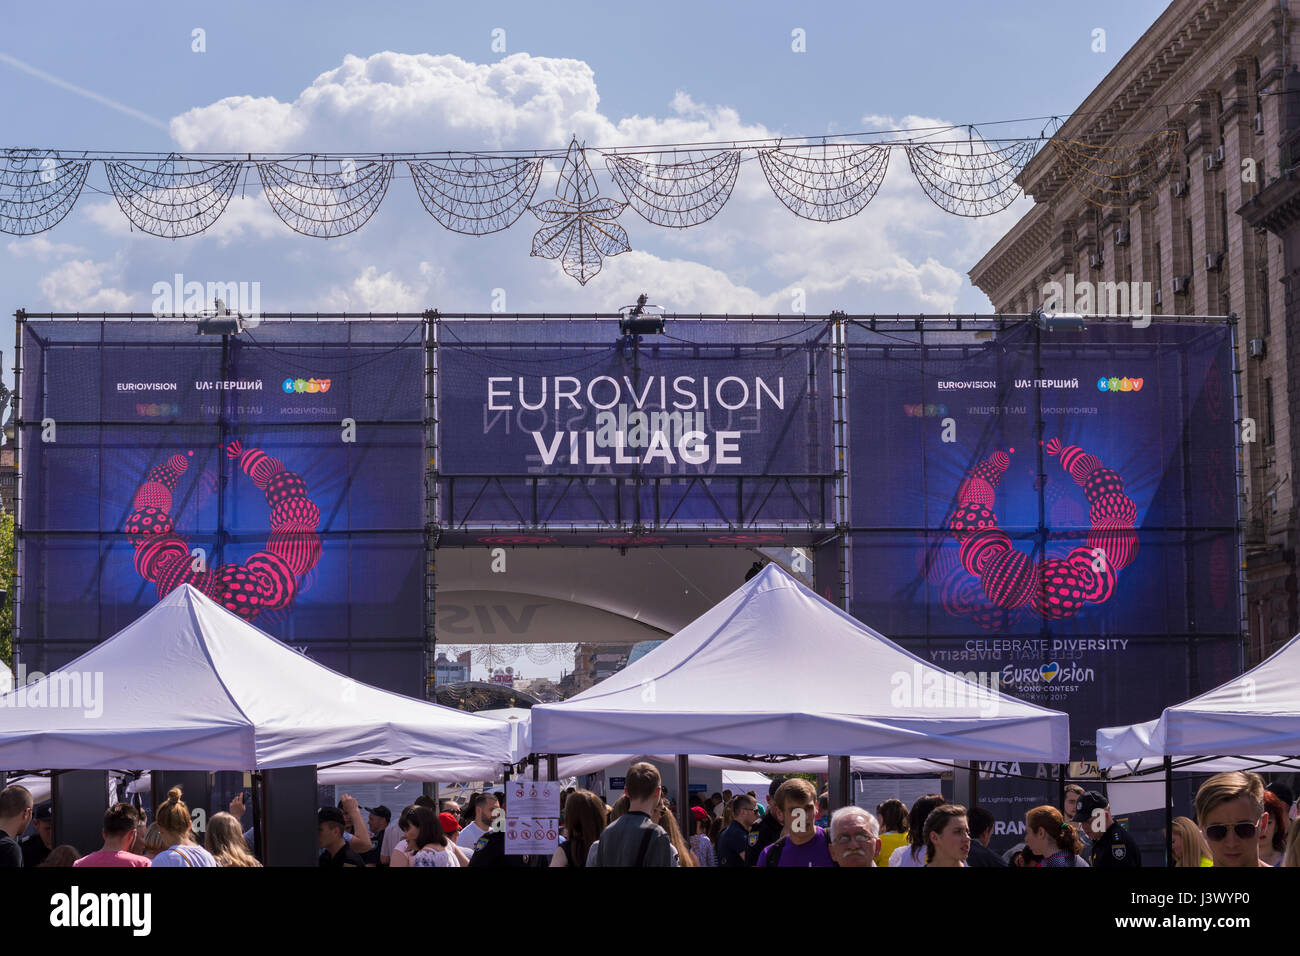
(7, 583)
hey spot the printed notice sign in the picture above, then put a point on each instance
(532, 816)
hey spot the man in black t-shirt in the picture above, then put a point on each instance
(769, 828)
(377, 822)
(335, 851)
(15, 814)
(38, 846)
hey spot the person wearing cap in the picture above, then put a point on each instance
(700, 843)
(335, 851)
(377, 822)
(1112, 846)
(38, 846)
(451, 826)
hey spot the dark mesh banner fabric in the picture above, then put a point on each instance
(152, 456)
(1058, 508)
(568, 422)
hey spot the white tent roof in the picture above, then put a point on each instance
(1254, 715)
(774, 668)
(190, 686)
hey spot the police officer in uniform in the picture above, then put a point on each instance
(735, 842)
(1111, 843)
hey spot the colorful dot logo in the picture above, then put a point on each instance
(1119, 384)
(305, 386)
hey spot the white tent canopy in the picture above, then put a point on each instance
(774, 668)
(1248, 718)
(190, 686)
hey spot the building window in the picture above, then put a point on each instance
(1268, 411)
(1263, 296)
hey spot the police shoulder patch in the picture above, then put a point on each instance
(1119, 851)
(480, 843)
(752, 838)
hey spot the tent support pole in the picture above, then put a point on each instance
(684, 820)
(1169, 813)
(1060, 783)
(843, 778)
(532, 758)
(259, 843)
(552, 767)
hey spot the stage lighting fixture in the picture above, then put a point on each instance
(637, 321)
(1059, 321)
(221, 322)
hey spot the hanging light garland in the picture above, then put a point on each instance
(332, 195)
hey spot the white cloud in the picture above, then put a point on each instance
(39, 247)
(80, 286)
(900, 254)
(373, 291)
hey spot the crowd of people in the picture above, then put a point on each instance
(1238, 822)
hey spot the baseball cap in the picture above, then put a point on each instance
(1088, 804)
(382, 811)
(44, 812)
(449, 823)
(699, 813)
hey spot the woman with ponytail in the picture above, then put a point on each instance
(1049, 836)
(173, 819)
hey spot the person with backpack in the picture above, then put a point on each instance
(804, 843)
(634, 839)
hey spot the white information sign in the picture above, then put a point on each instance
(532, 816)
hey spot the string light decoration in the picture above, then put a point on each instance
(977, 182)
(476, 195)
(825, 183)
(37, 189)
(172, 197)
(677, 194)
(328, 203)
(1117, 177)
(495, 655)
(581, 230)
(479, 193)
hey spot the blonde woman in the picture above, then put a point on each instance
(173, 819)
(225, 841)
(154, 842)
(665, 819)
(1189, 846)
(1292, 855)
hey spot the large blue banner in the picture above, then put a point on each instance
(280, 473)
(1058, 508)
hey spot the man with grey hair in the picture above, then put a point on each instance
(855, 837)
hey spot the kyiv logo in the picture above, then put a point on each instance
(309, 386)
(1119, 384)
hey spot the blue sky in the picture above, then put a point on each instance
(335, 76)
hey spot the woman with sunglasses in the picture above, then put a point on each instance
(1230, 813)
